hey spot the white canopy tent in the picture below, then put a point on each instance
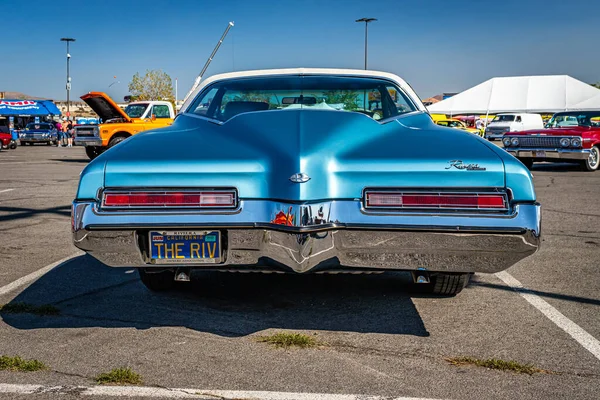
(593, 103)
(541, 94)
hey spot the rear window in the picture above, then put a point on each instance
(376, 98)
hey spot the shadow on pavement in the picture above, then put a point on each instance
(559, 296)
(90, 294)
(21, 213)
(555, 167)
(72, 160)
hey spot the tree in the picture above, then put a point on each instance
(349, 98)
(154, 85)
(596, 85)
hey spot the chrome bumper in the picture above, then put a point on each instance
(337, 235)
(567, 154)
(37, 140)
(87, 141)
(495, 135)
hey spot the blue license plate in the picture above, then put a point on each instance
(185, 247)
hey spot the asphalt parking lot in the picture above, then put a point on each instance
(378, 335)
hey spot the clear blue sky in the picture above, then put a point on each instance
(436, 45)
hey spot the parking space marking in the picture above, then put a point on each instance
(35, 275)
(586, 340)
(6, 190)
(168, 393)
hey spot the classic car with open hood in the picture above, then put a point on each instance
(118, 124)
(572, 136)
(290, 171)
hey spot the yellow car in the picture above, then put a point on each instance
(454, 123)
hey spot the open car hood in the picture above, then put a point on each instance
(104, 106)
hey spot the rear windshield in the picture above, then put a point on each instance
(504, 118)
(562, 120)
(38, 126)
(376, 98)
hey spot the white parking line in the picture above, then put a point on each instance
(6, 190)
(35, 275)
(167, 393)
(589, 342)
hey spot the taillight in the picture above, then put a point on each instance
(411, 200)
(172, 199)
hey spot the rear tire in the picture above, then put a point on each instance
(159, 281)
(449, 284)
(528, 162)
(593, 161)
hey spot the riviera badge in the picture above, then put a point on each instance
(458, 164)
(300, 177)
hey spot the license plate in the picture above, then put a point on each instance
(539, 153)
(185, 247)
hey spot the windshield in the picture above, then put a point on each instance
(34, 126)
(376, 98)
(561, 120)
(504, 118)
(136, 110)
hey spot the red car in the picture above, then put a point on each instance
(568, 136)
(5, 139)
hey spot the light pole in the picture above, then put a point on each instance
(68, 40)
(366, 21)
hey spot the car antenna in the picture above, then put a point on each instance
(199, 78)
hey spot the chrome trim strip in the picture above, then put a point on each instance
(453, 192)
(102, 193)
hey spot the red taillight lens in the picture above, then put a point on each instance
(170, 199)
(474, 201)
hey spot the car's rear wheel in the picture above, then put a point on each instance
(528, 162)
(593, 161)
(448, 284)
(157, 280)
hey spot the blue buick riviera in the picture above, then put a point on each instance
(304, 171)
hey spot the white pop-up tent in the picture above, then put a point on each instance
(593, 103)
(541, 94)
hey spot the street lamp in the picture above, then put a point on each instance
(366, 21)
(68, 40)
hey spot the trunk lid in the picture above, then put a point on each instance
(341, 152)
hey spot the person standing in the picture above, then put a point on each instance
(63, 134)
(70, 130)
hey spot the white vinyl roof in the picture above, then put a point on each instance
(547, 93)
(306, 71)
